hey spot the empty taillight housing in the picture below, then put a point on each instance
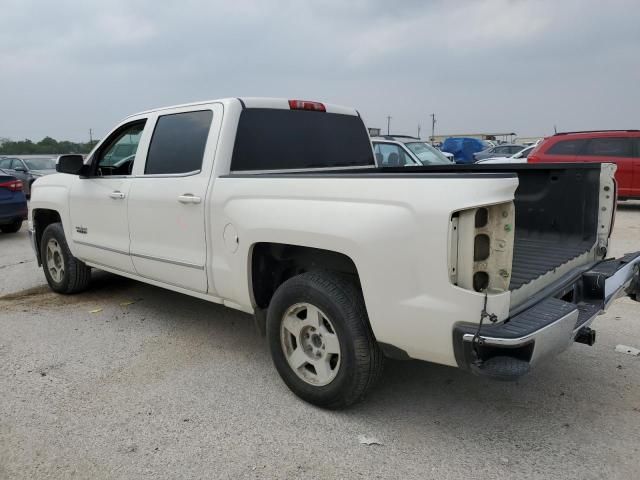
(481, 251)
(306, 105)
(12, 185)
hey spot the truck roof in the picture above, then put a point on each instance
(256, 102)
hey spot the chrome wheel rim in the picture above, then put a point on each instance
(310, 344)
(55, 260)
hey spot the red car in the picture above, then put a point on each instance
(621, 147)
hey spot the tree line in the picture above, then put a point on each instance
(47, 145)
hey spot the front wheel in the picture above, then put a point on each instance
(64, 272)
(320, 339)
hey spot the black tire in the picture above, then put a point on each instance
(76, 276)
(12, 227)
(361, 359)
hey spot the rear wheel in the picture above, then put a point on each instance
(12, 227)
(64, 272)
(320, 339)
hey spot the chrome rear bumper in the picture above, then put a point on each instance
(508, 350)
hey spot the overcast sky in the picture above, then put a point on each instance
(493, 65)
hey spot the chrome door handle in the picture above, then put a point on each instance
(118, 195)
(189, 198)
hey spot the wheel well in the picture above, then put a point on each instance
(42, 218)
(274, 263)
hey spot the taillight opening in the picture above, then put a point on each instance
(307, 105)
(12, 185)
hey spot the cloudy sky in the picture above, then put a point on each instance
(494, 65)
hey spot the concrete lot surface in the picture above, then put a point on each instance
(174, 387)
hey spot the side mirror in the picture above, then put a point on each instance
(71, 164)
(20, 168)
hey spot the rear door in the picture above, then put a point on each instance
(618, 150)
(167, 201)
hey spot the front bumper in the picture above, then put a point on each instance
(507, 350)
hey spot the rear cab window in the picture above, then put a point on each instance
(278, 139)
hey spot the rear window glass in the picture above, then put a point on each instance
(273, 139)
(566, 147)
(609, 147)
(178, 143)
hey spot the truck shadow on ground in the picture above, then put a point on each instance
(415, 396)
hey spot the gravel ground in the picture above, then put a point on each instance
(173, 387)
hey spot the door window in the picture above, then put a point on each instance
(17, 164)
(178, 143)
(117, 154)
(609, 147)
(566, 147)
(391, 155)
(5, 163)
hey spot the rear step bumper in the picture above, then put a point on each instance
(506, 351)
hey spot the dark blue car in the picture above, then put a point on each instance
(463, 148)
(13, 203)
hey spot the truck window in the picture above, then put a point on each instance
(178, 143)
(274, 139)
(117, 154)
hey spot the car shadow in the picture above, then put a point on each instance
(629, 205)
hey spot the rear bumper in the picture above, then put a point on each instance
(15, 209)
(509, 349)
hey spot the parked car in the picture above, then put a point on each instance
(28, 169)
(621, 147)
(13, 204)
(502, 150)
(406, 151)
(463, 148)
(276, 208)
(520, 157)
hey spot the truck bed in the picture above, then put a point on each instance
(556, 209)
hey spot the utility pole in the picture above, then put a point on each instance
(418, 130)
(388, 123)
(433, 126)
(90, 136)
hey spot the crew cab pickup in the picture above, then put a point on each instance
(277, 208)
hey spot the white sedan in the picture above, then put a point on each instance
(520, 157)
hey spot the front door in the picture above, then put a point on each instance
(98, 203)
(167, 201)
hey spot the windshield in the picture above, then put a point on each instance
(427, 154)
(40, 163)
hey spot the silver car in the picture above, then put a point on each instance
(28, 169)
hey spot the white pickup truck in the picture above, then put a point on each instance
(276, 208)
